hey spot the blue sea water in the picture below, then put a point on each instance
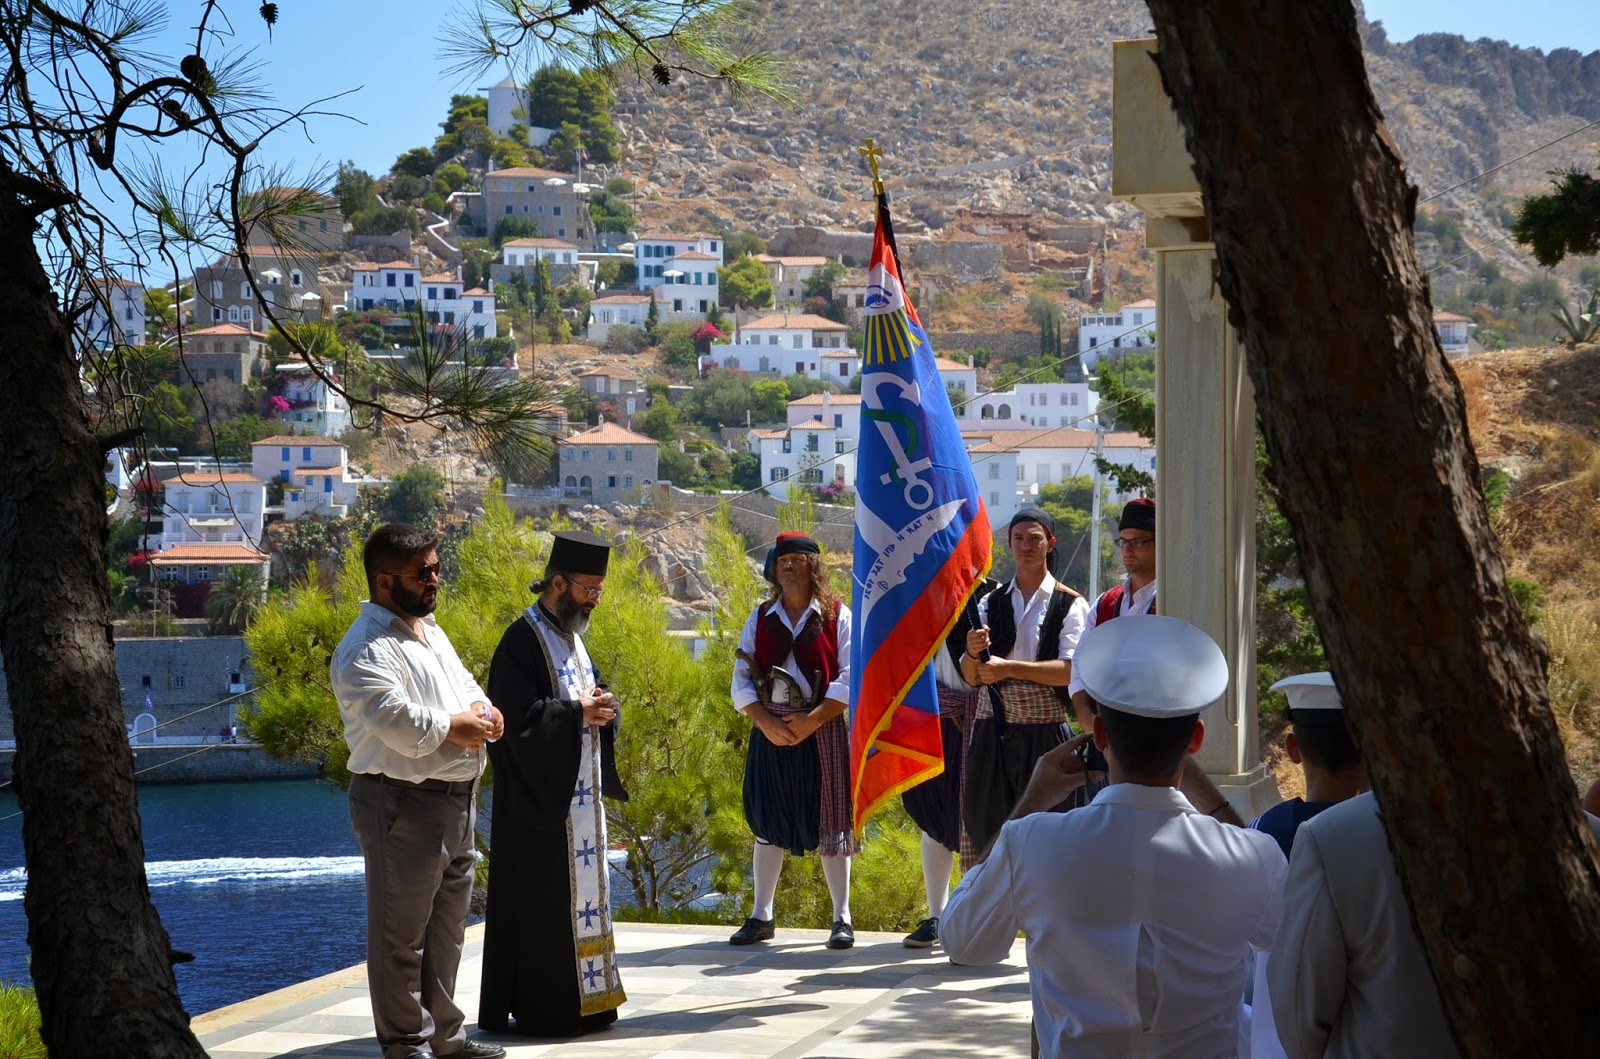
(261, 881)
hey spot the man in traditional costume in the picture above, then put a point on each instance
(934, 805)
(1139, 909)
(549, 958)
(416, 722)
(1135, 594)
(1021, 653)
(793, 682)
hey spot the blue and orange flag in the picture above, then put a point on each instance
(922, 541)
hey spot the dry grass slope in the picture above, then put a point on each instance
(1536, 415)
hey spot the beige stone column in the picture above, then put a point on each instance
(1205, 421)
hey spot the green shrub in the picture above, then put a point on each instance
(19, 1023)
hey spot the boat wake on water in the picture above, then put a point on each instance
(213, 870)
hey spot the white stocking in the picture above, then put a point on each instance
(937, 865)
(837, 871)
(767, 863)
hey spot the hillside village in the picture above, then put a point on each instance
(691, 303)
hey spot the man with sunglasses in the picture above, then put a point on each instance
(416, 722)
(549, 956)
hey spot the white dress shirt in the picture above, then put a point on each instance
(744, 689)
(396, 692)
(1131, 603)
(1139, 913)
(1029, 616)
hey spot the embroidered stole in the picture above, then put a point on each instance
(595, 949)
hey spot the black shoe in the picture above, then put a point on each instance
(925, 936)
(843, 936)
(754, 930)
(475, 1049)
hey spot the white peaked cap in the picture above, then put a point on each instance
(1151, 665)
(1312, 693)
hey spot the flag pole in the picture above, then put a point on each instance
(872, 152)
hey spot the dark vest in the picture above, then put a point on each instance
(1003, 627)
(816, 651)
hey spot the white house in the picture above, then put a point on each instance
(448, 301)
(810, 453)
(193, 563)
(1041, 404)
(786, 344)
(963, 378)
(656, 255)
(314, 406)
(520, 253)
(114, 315)
(1454, 332)
(443, 299)
(1131, 327)
(210, 521)
(614, 309)
(817, 445)
(395, 286)
(841, 411)
(314, 471)
(789, 275)
(607, 463)
(1011, 465)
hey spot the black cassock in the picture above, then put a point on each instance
(528, 962)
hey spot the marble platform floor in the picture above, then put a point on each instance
(691, 994)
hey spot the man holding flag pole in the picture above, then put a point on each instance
(922, 539)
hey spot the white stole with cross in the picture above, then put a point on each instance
(599, 986)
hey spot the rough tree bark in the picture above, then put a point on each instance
(100, 954)
(1312, 214)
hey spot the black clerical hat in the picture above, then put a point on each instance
(576, 552)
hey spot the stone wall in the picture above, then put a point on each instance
(965, 260)
(184, 678)
(1003, 343)
(400, 242)
(218, 763)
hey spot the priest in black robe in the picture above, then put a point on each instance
(549, 957)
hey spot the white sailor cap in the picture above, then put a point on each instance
(1151, 665)
(1313, 700)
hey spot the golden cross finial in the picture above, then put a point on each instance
(871, 152)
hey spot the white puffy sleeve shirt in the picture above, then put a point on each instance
(744, 689)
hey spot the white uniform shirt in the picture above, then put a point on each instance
(744, 689)
(1139, 913)
(396, 692)
(1029, 617)
(1131, 603)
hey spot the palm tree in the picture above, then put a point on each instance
(235, 598)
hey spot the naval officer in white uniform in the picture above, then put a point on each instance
(1139, 909)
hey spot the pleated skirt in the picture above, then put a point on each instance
(783, 793)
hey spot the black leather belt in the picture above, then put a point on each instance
(443, 786)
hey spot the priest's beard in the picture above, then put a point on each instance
(571, 616)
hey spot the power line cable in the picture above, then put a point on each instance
(1051, 363)
(1518, 158)
(163, 724)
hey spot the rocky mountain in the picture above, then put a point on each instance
(1007, 108)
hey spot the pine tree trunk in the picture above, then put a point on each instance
(1311, 214)
(99, 953)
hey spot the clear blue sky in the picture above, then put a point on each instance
(1546, 24)
(388, 54)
